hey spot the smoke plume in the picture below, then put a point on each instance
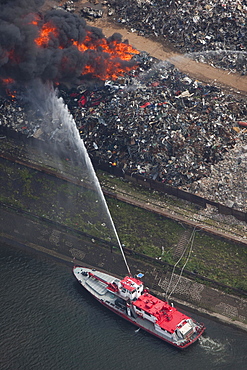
(55, 46)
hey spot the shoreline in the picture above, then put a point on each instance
(71, 262)
(39, 237)
(60, 242)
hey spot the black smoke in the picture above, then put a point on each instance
(59, 61)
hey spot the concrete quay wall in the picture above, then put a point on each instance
(57, 241)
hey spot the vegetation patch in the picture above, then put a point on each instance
(142, 231)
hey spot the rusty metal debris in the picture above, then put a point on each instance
(212, 31)
(88, 9)
(161, 124)
(157, 121)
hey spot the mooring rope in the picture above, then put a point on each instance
(190, 242)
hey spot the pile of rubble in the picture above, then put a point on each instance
(226, 182)
(13, 115)
(194, 27)
(162, 124)
(158, 122)
(212, 31)
(87, 9)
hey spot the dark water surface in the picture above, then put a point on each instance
(49, 322)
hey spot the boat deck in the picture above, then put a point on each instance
(100, 291)
(97, 286)
(97, 282)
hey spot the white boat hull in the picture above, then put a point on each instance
(97, 283)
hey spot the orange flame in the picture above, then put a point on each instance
(36, 19)
(8, 81)
(11, 94)
(110, 62)
(116, 51)
(45, 34)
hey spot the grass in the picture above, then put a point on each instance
(140, 230)
(143, 231)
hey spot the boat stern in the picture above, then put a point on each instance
(188, 332)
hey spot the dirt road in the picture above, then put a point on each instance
(200, 71)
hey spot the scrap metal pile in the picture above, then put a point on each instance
(216, 29)
(154, 120)
(168, 127)
(159, 123)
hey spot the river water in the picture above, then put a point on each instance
(49, 322)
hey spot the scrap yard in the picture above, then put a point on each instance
(157, 93)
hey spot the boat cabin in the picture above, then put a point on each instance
(130, 288)
(165, 317)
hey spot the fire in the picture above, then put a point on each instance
(53, 54)
(108, 63)
(116, 51)
(112, 70)
(8, 81)
(45, 34)
(11, 94)
(36, 19)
